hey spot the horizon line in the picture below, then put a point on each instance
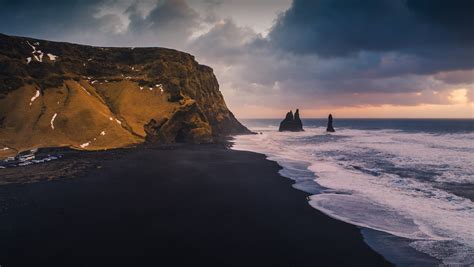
(366, 118)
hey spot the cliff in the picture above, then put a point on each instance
(55, 94)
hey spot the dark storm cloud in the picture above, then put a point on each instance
(337, 52)
(168, 23)
(338, 28)
(436, 35)
(102, 22)
(225, 42)
(171, 14)
(48, 18)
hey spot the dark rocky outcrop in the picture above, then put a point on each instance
(187, 125)
(61, 94)
(297, 120)
(291, 123)
(330, 128)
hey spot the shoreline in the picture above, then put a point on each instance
(214, 205)
(396, 250)
(295, 154)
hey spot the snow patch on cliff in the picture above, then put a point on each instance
(34, 97)
(38, 54)
(85, 144)
(52, 57)
(160, 86)
(52, 120)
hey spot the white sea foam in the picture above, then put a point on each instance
(28, 159)
(387, 180)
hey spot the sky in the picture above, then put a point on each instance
(351, 58)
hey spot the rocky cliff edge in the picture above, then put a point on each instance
(55, 94)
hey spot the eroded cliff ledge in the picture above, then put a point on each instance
(56, 94)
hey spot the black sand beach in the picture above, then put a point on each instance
(181, 206)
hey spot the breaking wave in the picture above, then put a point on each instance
(403, 183)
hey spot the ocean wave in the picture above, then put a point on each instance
(387, 180)
(28, 158)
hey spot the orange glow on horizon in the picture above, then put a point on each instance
(461, 109)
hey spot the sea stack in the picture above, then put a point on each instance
(291, 123)
(330, 128)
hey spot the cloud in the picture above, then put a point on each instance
(386, 37)
(340, 28)
(321, 53)
(456, 77)
(102, 22)
(51, 18)
(169, 22)
(225, 42)
(255, 73)
(331, 52)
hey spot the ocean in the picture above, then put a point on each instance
(407, 183)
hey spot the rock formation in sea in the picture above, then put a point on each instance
(291, 123)
(330, 128)
(55, 94)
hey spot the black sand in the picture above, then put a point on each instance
(190, 206)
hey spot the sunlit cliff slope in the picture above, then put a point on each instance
(59, 94)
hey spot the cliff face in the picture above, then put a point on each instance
(59, 94)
